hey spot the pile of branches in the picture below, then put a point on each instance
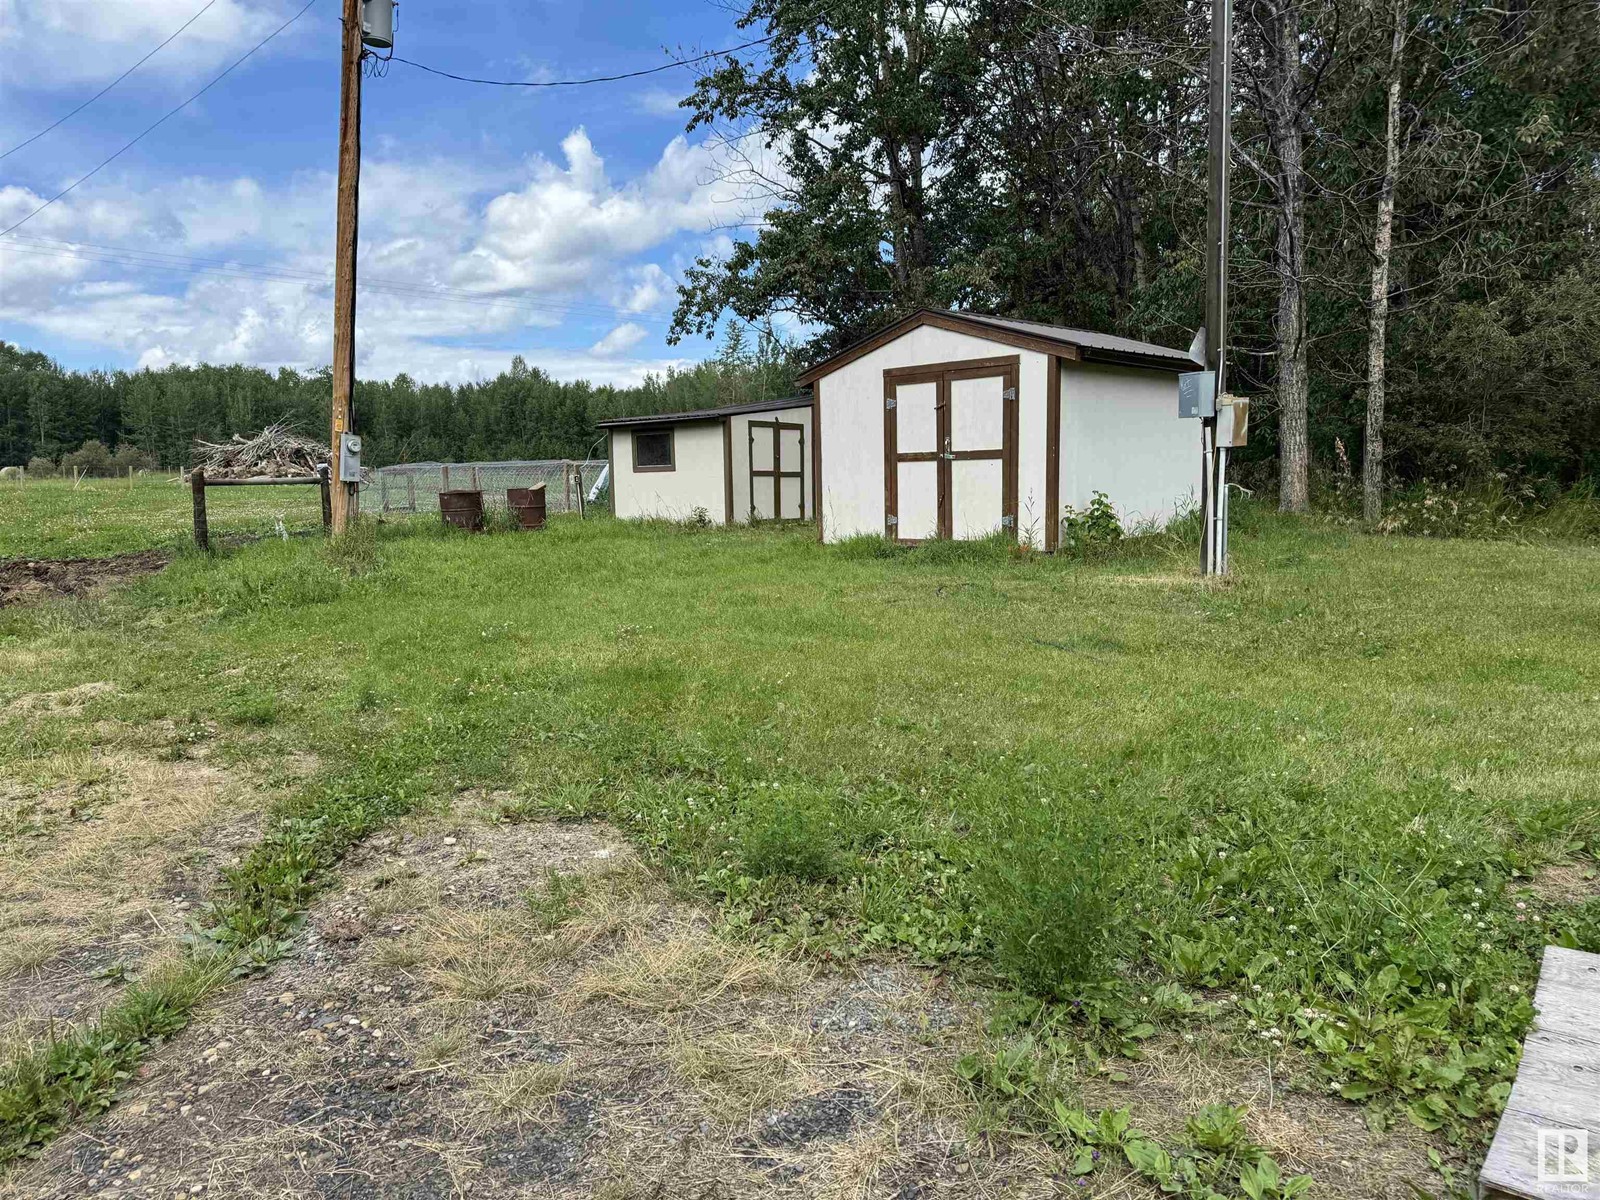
(277, 452)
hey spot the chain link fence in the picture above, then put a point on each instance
(415, 487)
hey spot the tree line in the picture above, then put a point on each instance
(1414, 279)
(103, 422)
(1415, 287)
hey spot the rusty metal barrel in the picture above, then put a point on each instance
(527, 504)
(463, 509)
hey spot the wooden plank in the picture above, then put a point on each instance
(1557, 1085)
(816, 455)
(1052, 454)
(264, 481)
(727, 470)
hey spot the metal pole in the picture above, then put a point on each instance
(345, 497)
(1214, 477)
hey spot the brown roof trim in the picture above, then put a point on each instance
(705, 414)
(1062, 346)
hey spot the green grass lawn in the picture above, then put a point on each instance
(50, 518)
(1321, 787)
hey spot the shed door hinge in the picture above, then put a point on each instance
(1008, 522)
(889, 403)
(1009, 394)
(891, 519)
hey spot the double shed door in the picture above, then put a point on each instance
(950, 449)
(777, 471)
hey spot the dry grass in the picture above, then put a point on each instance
(524, 1094)
(89, 860)
(1566, 882)
(856, 1167)
(483, 954)
(738, 1072)
(66, 703)
(681, 973)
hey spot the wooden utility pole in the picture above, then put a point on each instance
(1214, 479)
(345, 494)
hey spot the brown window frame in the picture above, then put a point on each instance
(672, 449)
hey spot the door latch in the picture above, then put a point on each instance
(889, 403)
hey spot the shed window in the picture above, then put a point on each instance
(652, 451)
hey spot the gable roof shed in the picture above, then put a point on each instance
(1083, 345)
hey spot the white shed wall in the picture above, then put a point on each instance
(851, 400)
(739, 428)
(694, 482)
(1121, 435)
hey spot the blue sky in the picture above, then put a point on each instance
(495, 221)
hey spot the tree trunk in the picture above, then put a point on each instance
(1288, 136)
(1378, 315)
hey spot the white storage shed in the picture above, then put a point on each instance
(741, 463)
(951, 424)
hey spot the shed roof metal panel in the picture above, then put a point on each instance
(706, 414)
(1088, 339)
(1082, 344)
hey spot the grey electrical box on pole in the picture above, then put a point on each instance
(377, 24)
(1197, 394)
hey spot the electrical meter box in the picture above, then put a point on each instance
(349, 457)
(1233, 421)
(1197, 394)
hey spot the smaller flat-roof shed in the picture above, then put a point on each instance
(959, 425)
(739, 463)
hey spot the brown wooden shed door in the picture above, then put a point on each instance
(950, 459)
(777, 471)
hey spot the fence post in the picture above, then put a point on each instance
(327, 499)
(445, 467)
(411, 492)
(476, 486)
(383, 490)
(566, 477)
(577, 477)
(197, 486)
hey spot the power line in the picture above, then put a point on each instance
(112, 84)
(555, 83)
(105, 162)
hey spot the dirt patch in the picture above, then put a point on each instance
(523, 1010)
(1303, 1129)
(1566, 882)
(103, 857)
(26, 579)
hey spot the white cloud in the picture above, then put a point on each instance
(549, 235)
(620, 340)
(66, 44)
(236, 268)
(659, 102)
(648, 287)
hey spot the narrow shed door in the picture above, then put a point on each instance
(977, 452)
(777, 471)
(913, 421)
